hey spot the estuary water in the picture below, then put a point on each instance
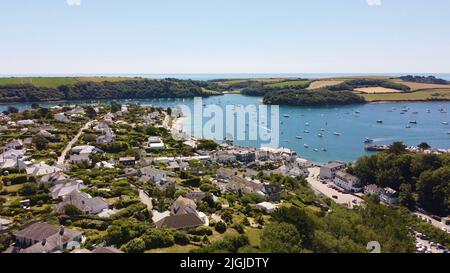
(322, 134)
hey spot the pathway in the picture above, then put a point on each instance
(62, 158)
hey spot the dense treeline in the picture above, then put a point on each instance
(259, 89)
(132, 89)
(312, 98)
(423, 79)
(362, 83)
(421, 179)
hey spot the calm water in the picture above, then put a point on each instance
(353, 128)
(206, 76)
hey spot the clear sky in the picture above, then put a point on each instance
(224, 36)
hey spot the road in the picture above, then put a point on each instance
(343, 199)
(62, 158)
(434, 222)
(146, 200)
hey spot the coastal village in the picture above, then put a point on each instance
(126, 178)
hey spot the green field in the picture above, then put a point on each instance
(39, 82)
(288, 83)
(53, 82)
(433, 94)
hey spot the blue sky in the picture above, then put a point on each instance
(224, 36)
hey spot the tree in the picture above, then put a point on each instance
(71, 210)
(115, 107)
(298, 218)
(12, 110)
(424, 146)
(40, 142)
(406, 196)
(433, 190)
(221, 227)
(135, 246)
(28, 189)
(181, 238)
(90, 112)
(169, 111)
(281, 238)
(397, 148)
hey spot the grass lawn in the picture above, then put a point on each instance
(13, 188)
(436, 94)
(52, 82)
(254, 236)
(287, 83)
(173, 249)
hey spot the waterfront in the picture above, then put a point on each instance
(354, 123)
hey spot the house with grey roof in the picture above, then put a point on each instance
(61, 190)
(84, 202)
(45, 238)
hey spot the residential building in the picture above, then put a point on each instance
(61, 117)
(327, 172)
(372, 189)
(183, 206)
(389, 196)
(180, 221)
(46, 238)
(152, 174)
(196, 195)
(267, 207)
(84, 202)
(127, 161)
(155, 143)
(41, 169)
(59, 191)
(15, 144)
(347, 181)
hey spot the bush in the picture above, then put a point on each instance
(71, 210)
(158, 238)
(134, 246)
(201, 231)
(181, 238)
(221, 227)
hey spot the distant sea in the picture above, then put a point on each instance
(206, 76)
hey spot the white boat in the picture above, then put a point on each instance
(320, 135)
(307, 124)
(408, 126)
(413, 121)
(306, 146)
(287, 116)
(368, 140)
(316, 150)
(299, 137)
(379, 121)
(445, 123)
(306, 132)
(336, 134)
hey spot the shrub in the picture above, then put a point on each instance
(221, 227)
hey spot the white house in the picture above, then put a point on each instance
(328, 171)
(61, 117)
(267, 207)
(150, 173)
(61, 190)
(25, 122)
(389, 196)
(347, 181)
(84, 202)
(41, 169)
(155, 143)
(15, 144)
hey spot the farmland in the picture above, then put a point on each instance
(53, 82)
(377, 90)
(324, 83)
(425, 95)
(288, 83)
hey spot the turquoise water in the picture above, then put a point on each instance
(353, 128)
